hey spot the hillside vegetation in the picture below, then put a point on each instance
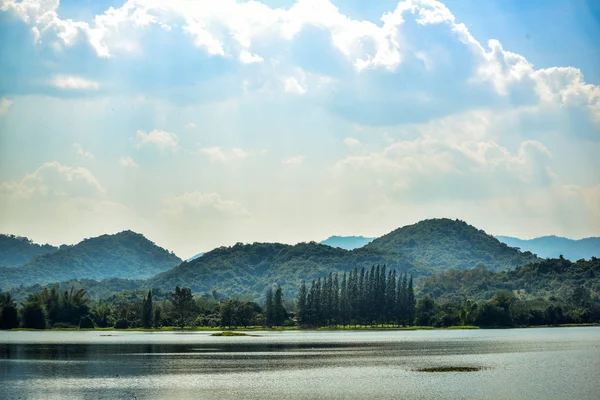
(247, 269)
(123, 255)
(451, 244)
(19, 250)
(554, 246)
(547, 278)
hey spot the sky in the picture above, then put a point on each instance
(203, 123)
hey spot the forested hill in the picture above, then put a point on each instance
(18, 250)
(547, 278)
(123, 255)
(554, 246)
(451, 244)
(247, 269)
(347, 242)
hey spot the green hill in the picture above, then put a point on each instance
(451, 244)
(123, 255)
(247, 269)
(17, 250)
(547, 278)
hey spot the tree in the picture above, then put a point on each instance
(301, 304)
(227, 313)
(425, 310)
(410, 303)
(146, 316)
(270, 308)
(183, 302)
(33, 313)
(279, 313)
(8, 309)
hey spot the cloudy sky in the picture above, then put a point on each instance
(205, 123)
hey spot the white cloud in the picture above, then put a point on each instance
(81, 152)
(294, 160)
(4, 105)
(190, 125)
(291, 85)
(248, 58)
(204, 205)
(73, 82)
(216, 154)
(159, 138)
(351, 142)
(128, 162)
(54, 180)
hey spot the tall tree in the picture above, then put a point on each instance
(301, 312)
(8, 310)
(410, 302)
(183, 302)
(270, 308)
(279, 313)
(335, 302)
(146, 317)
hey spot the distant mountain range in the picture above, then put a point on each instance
(19, 250)
(123, 255)
(129, 261)
(554, 246)
(347, 242)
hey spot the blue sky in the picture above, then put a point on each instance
(205, 123)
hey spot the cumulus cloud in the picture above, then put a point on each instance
(351, 142)
(4, 105)
(73, 83)
(292, 85)
(53, 179)
(294, 160)
(208, 205)
(81, 152)
(159, 138)
(248, 58)
(218, 155)
(127, 162)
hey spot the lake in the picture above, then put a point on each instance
(543, 363)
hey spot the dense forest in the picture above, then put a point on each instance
(18, 250)
(248, 269)
(550, 292)
(123, 255)
(451, 244)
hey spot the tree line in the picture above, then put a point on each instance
(371, 297)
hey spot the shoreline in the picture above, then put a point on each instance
(297, 329)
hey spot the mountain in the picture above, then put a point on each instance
(554, 246)
(547, 278)
(194, 257)
(451, 244)
(123, 255)
(347, 242)
(248, 269)
(19, 250)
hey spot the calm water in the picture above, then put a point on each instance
(520, 364)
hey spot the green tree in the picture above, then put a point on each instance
(9, 318)
(279, 313)
(227, 313)
(146, 317)
(183, 302)
(270, 308)
(301, 304)
(410, 303)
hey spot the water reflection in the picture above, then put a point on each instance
(556, 362)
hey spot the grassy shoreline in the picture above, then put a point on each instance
(295, 328)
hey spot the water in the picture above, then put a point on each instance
(558, 363)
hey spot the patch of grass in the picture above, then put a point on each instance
(451, 369)
(463, 327)
(230, 333)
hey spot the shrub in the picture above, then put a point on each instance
(86, 323)
(121, 324)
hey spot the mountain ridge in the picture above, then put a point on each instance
(553, 246)
(126, 254)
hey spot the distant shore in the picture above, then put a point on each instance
(295, 328)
